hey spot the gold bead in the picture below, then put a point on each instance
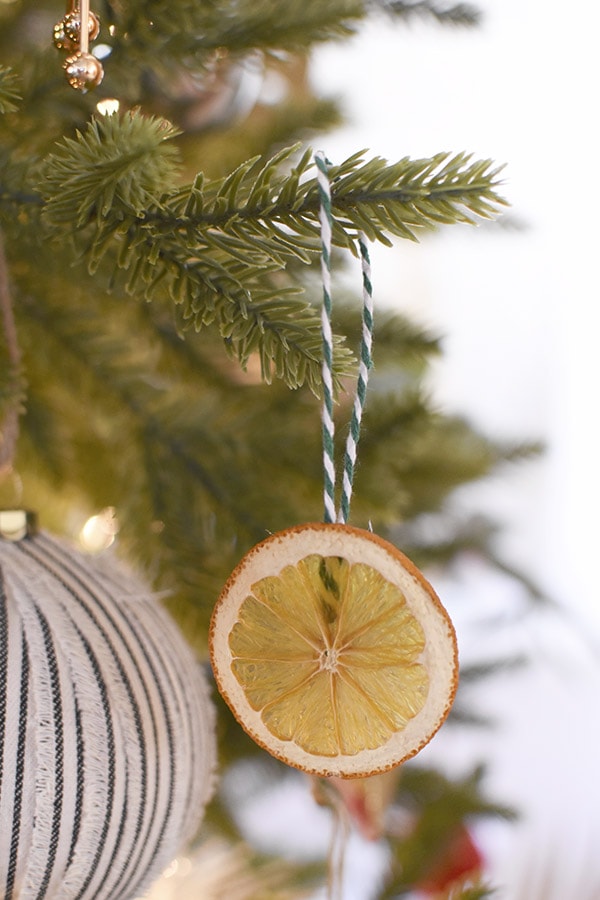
(61, 39)
(83, 71)
(67, 32)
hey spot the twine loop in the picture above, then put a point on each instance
(365, 363)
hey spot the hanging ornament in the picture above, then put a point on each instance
(83, 70)
(67, 32)
(106, 727)
(331, 648)
(333, 651)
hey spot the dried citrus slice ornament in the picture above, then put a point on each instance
(333, 651)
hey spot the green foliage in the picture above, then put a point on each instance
(165, 282)
(205, 460)
(380, 199)
(471, 893)
(9, 94)
(189, 29)
(223, 249)
(440, 805)
(457, 14)
(117, 167)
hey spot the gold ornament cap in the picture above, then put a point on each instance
(16, 524)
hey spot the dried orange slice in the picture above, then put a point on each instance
(333, 651)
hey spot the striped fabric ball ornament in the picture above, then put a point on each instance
(106, 728)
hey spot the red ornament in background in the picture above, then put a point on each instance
(366, 802)
(459, 859)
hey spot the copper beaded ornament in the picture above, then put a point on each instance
(67, 32)
(83, 70)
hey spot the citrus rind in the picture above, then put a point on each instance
(436, 654)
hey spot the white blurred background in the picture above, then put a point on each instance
(518, 311)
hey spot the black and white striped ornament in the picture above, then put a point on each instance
(106, 728)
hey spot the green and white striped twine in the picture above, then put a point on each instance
(366, 363)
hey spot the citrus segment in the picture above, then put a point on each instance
(398, 692)
(264, 632)
(382, 618)
(333, 651)
(305, 716)
(267, 683)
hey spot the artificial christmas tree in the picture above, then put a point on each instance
(161, 263)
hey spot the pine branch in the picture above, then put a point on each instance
(206, 273)
(189, 29)
(221, 249)
(9, 94)
(476, 671)
(396, 336)
(442, 806)
(117, 166)
(238, 213)
(183, 435)
(372, 196)
(403, 434)
(397, 199)
(446, 14)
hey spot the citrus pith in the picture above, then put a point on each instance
(333, 651)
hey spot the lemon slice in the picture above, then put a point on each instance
(333, 651)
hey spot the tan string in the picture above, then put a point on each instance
(9, 428)
(84, 21)
(340, 833)
(326, 795)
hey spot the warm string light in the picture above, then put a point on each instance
(99, 531)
